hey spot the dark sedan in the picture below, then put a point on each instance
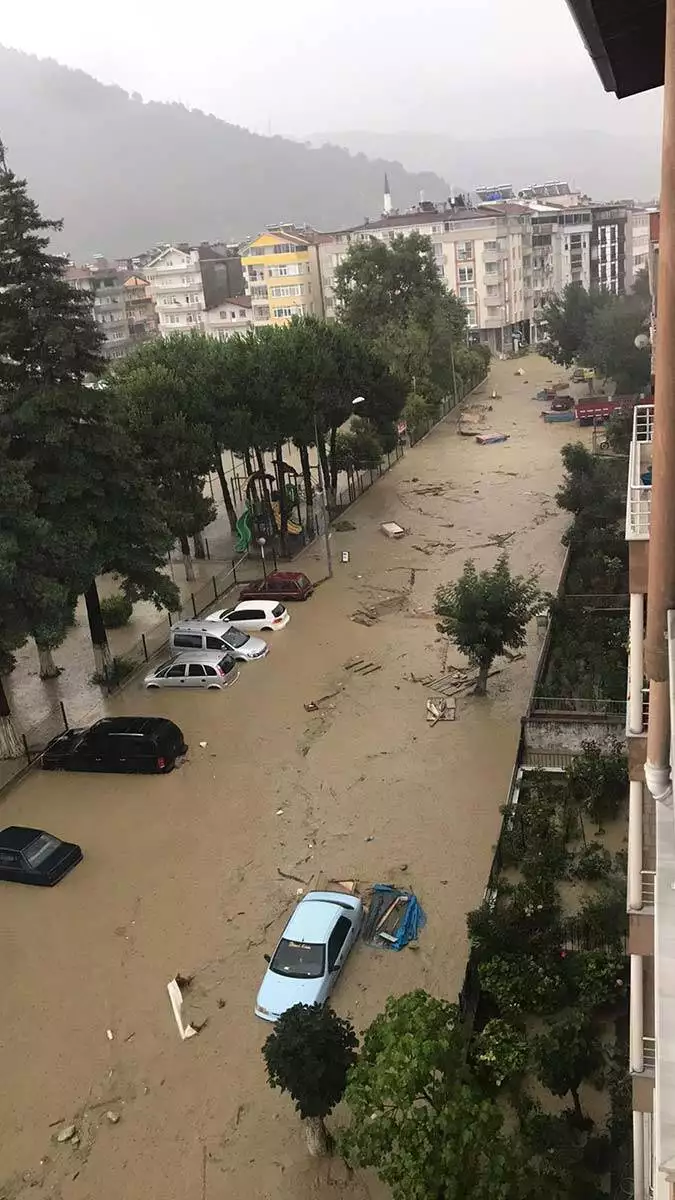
(148, 744)
(279, 585)
(35, 856)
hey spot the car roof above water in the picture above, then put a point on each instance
(312, 920)
(17, 837)
(136, 725)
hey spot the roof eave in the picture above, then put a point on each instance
(586, 22)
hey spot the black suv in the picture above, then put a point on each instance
(150, 744)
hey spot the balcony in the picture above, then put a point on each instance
(639, 493)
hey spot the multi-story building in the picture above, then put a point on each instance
(484, 254)
(104, 285)
(629, 46)
(229, 318)
(187, 281)
(140, 309)
(282, 277)
(561, 254)
(637, 244)
(620, 246)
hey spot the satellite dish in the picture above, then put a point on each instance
(642, 341)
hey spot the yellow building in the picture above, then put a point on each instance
(281, 271)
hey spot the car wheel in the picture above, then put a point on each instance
(47, 765)
(152, 687)
(213, 687)
(266, 629)
(168, 766)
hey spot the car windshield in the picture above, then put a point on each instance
(40, 849)
(299, 960)
(163, 667)
(235, 638)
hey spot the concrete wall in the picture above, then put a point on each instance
(559, 734)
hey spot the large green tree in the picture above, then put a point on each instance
(418, 1117)
(486, 612)
(308, 1055)
(609, 343)
(568, 1052)
(566, 320)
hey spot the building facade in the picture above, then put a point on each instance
(188, 281)
(281, 274)
(483, 254)
(561, 254)
(104, 286)
(140, 309)
(229, 318)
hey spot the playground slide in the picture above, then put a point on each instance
(244, 532)
(293, 526)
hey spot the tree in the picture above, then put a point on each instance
(418, 1116)
(609, 343)
(485, 613)
(168, 422)
(592, 489)
(566, 320)
(598, 782)
(568, 1052)
(308, 1055)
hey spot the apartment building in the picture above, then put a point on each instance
(629, 46)
(484, 254)
(188, 281)
(229, 318)
(104, 286)
(620, 246)
(140, 309)
(282, 276)
(561, 254)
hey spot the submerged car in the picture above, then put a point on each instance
(311, 953)
(210, 669)
(35, 856)
(279, 585)
(253, 616)
(117, 744)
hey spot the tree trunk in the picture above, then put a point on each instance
(99, 639)
(578, 1111)
(10, 742)
(481, 683)
(48, 668)
(333, 465)
(309, 489)
(283, 512)
(323, 460)
(187, 559)
(227, 497)
(198, 540)
(317, 1137)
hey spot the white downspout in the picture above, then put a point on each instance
(637, 1062)
(636, 661)
(635, 846)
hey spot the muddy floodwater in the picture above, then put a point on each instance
(188, 873)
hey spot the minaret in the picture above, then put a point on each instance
(387, 197)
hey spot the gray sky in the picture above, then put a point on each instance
(462, 67)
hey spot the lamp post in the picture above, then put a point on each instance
(262, 542)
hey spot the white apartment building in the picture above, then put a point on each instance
(637, 244)
(188, 281)
(484, 255)
(561, 254)
(229, 318)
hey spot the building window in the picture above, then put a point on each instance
(490, 245)
(490, 268)
(471, 318)
(467, 294)
(293, 289)
(242, 312)
(492, 289)
(295, 311)
(466, 274)
(464, 251)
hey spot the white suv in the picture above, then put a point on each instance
(253, 615)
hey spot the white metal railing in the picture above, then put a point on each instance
(649, 1053)
(639, 492)
(648, 886)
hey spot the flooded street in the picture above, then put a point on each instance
(182, 874)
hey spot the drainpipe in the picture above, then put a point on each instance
(637, 1062)
(635, 847)
(661, 592)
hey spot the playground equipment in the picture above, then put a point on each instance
(262, 514)
(244, 532)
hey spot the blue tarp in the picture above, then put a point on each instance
(410, 922)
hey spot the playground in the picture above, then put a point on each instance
(264, 520)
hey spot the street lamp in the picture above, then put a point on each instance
(358, 400)
(262, 543)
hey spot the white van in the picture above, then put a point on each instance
(217, 635)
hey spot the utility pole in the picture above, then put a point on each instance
(321, 489)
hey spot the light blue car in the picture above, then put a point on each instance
(311, 953)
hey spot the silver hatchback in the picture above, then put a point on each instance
(209, 669)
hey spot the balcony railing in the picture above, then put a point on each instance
(639, 494)
(648, 887)
(578, 705)
(649, 1054)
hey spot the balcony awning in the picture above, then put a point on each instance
(626, 40)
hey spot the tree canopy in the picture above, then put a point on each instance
(598, 329)
(418, 1117)
(486, 612)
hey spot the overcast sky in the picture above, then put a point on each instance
(461, 67)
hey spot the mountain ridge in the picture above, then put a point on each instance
(125, 174)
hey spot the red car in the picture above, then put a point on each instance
(279, 585)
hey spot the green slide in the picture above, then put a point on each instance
(244, 532)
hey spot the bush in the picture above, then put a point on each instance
(519, 983)
(116, 611)
(527, 915)
(599, 782)
(501, 1052)
(599, 978)
(591, 863)
(121, 669)
(603, 916)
